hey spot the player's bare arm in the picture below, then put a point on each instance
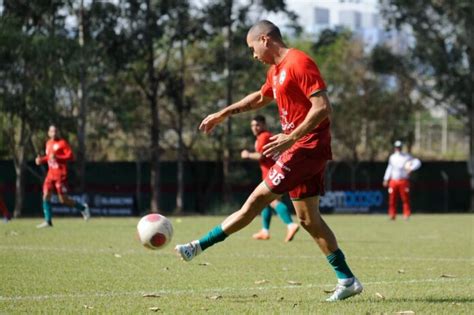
(41, 159)
(252, 101)
(320, 110)
(245, 154)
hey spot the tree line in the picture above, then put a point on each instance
(132, 79)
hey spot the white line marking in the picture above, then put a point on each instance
(142, 252)
(212, 290)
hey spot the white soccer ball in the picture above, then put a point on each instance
(154, 231)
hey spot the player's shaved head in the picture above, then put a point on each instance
(266, 28)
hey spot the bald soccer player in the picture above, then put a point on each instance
(301, 150)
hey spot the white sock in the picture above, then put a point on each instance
(289, 226)
(346, 282)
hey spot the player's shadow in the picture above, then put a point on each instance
(419, 299)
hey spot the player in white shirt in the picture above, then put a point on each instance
(396, 178)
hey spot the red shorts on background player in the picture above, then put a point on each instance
(58, 153)
(301, 150)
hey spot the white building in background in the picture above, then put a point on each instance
(360, 16)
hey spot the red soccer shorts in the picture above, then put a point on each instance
(299, 172)
(399, 187)
(51, 184)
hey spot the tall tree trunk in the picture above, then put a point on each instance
(180, 168)
(227, 152)
(20, 167)
(138, 183)
(180, 160)
(155, 119)
(155, 155)
(471, 147)
(81, 119)
(470, 109)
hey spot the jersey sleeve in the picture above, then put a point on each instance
(43, 159)
(261, 141)
(266, 89)
(388, 171)
(414, 164)
(66, 155)
(306, 74)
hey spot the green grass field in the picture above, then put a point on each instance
(424, 265)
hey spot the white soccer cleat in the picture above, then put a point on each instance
(188, 251)
(44, 225)
(342, 292)
(86, 213)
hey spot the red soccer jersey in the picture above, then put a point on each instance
(291, 83)
(62, 153)
(265, 162)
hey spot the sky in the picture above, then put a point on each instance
(305, 9)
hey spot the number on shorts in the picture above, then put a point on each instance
(276, 177)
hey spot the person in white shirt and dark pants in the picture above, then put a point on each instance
(396, 178)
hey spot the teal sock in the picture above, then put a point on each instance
(215, 235)
(338, 263)
(266, 217)
(47, 211)
(79, 206)
(284, 213)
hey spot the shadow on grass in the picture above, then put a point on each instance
(344, 240)
(417, 299)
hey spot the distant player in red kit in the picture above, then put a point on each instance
(58, 153)
(397, 179)
(4, 210)
(3, 207)
(303, 149)
(260, 131)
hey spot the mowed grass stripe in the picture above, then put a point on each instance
(225, 289)
(243, 255)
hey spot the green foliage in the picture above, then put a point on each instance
(33, 50)
(364, 89)
(443, 45)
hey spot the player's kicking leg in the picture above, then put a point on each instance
(264, 233)
(61, 188)
(285, 215)
(82, 207)
(308, 212)
(254, 204)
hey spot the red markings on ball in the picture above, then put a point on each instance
(158, 240)
(153, 217)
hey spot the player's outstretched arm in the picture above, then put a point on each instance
(251, 102)
(245, 154)
(41, 160)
